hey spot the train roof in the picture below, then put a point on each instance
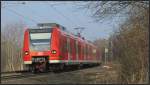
(48, 26)
(79, 38)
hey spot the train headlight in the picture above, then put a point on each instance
(53, 51)
(26, 53)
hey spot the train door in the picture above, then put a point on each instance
(62, 48)
(84, 52)
(88, 53)
(77, 53)
(71, 49)
(74, 49)
(72, 41)
(68, 49)
(81, 51)
(94, 53)
(65, 47)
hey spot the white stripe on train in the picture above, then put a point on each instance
(66, 61)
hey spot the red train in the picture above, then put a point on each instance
(53, 47)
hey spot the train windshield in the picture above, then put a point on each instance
(40, 40)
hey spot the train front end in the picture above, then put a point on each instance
(36, 49)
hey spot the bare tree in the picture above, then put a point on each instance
(102, 10)
(131, 48)
(11, 47)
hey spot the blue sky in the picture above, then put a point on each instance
(43, 12)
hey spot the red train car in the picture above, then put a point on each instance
(53, 47)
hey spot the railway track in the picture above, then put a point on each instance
(12, 75)
(74, 76)
(9, 72)
(27, 74)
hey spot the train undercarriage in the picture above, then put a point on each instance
(44, 68)
(42, 65)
